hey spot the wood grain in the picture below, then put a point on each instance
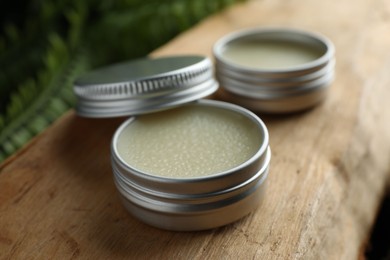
(328, 173)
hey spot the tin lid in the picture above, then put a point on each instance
(144, 85)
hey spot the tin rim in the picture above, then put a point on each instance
(131, 187)
(200, 184)
(275, 33)
(137, 193)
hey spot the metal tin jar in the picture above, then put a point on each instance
(174, 203)
(194, 203)
(274, 70)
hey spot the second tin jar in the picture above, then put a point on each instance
(274, 70)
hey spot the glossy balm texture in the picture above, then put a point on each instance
(270, 54)
(190, 141)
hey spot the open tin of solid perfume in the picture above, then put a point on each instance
(179, 163)
(274, 70)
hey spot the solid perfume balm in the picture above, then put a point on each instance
(270, 54)
(191, 141)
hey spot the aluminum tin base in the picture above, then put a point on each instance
(195, 221)
(282, 105)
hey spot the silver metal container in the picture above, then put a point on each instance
(182, 204)
(275, 90)
(199, 202)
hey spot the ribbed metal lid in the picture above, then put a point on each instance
(144, 85)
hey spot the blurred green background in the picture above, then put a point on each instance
(45, 45)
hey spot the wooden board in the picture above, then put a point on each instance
(328, 173)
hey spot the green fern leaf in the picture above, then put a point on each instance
(61, 39)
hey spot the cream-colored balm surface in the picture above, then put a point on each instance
(190, 141)
(270, 54)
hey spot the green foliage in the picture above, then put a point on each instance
(45, 45)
